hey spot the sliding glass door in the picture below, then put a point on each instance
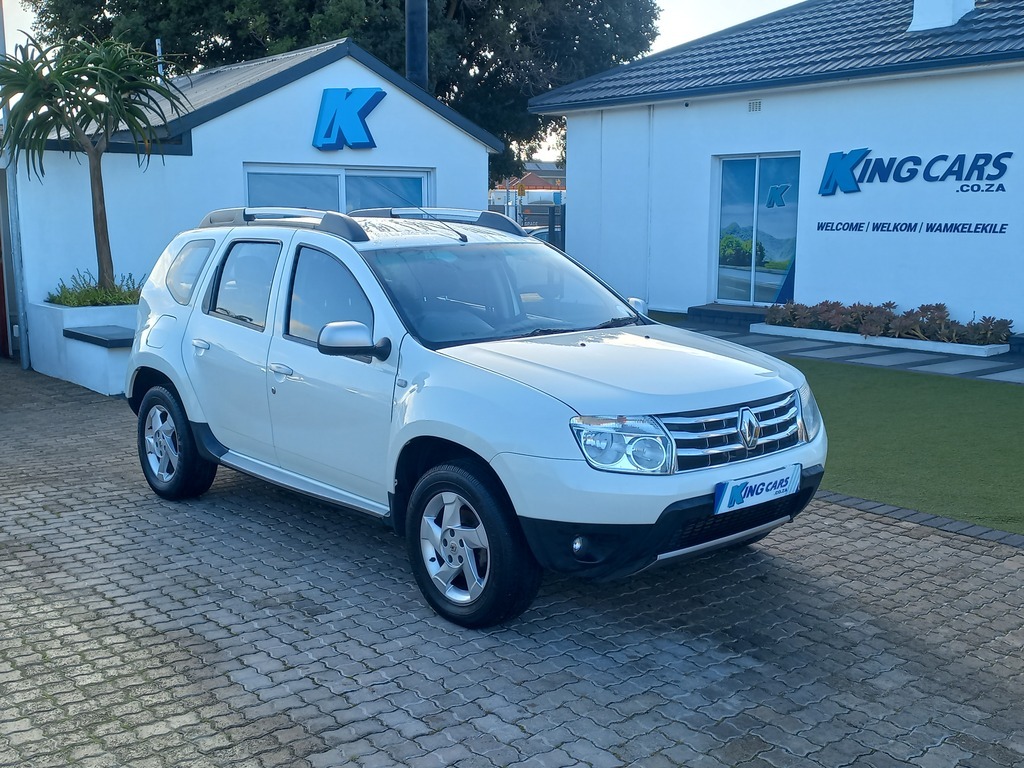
(757, 229)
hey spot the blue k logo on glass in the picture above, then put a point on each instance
(342, 119)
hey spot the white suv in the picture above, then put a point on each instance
(495, 402)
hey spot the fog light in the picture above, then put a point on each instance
(579, 546)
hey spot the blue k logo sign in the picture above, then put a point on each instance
(342, 119)
(839, 172)
(777, 196)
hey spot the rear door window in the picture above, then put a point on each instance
(242, 292)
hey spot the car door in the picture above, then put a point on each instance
(332, 415)
(226, 343)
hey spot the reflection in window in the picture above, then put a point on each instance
(757, 239)
(243, 291)
(379, 191)
(323, 291)
(185, 269)
(735, 244)
(294, 190)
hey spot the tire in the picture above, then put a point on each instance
(167, 450)
(467, 551)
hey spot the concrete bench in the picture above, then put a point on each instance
(96, 356)
(109, 336)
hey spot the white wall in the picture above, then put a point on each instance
(645, 203)
(146, 208)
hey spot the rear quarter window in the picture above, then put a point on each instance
(186, 268)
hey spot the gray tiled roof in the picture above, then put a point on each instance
(215, 91)
(814, 41)
(211, 93)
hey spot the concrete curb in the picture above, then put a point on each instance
(946, 348)
(923, 518)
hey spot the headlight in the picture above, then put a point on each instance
(624, 444)
(810, 416)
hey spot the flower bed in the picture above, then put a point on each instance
(929, 322)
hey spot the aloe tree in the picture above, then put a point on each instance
(80, 97)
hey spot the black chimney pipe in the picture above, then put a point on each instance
(416, 42)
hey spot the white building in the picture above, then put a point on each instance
(873, 146)
(325, 127)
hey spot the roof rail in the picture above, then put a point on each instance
(324, 221)
(489, 219)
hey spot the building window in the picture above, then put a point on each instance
(295, 190)
(335, 189)
(363, 190)
(756, 255)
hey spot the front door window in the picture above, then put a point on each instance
(757, 236)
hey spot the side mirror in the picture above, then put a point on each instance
(639, 305)
(351, 339)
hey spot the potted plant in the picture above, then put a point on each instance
(82, 96)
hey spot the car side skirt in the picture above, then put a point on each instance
(213, 450)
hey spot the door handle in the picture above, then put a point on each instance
(200, 344)
(284, 370)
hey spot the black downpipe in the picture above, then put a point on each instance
(416, 42)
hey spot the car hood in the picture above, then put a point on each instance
(650, 369)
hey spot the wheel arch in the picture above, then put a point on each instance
(422, 453)
(143, 380)
(152, 371)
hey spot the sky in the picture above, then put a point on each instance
(684, 20)
(15, 18)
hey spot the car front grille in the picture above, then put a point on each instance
(712, 438)
(702, 530)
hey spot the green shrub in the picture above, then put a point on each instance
(929, 322)
(85, 291)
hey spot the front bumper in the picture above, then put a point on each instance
(684, 528)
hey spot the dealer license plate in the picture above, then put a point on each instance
(737, 494)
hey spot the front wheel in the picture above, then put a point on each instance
(467, 551)
(170, 461)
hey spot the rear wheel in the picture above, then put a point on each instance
(467, 552)
(170, 461)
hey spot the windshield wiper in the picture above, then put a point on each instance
(545, 332)
(616, 322)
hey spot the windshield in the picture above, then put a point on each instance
(466, 292)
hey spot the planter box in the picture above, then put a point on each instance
(99, 368)
(942, 347)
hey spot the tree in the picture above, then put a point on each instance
(734, 251)
(80, 95)
(487, 58)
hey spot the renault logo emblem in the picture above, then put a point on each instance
(750, 428)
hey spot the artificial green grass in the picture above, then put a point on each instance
(937, 444)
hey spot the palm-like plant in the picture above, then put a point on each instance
(77, 96)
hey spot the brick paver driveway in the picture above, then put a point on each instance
(255, 627)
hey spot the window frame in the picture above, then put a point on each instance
(426, 175)
(716, 233)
